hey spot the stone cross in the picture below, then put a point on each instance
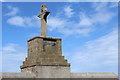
(43, 15)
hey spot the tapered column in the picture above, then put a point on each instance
(43, 27)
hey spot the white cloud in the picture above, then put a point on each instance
(99, 6)
(56, 23)
(66, 27)
(21, 21)
(102, 17)
(13, 11)
(10, 48)
(13, 56)
(17, 20)
(68, 11)
(24, 21)
(102, 14)
(85, 23)
(113, 4)
(85, 20)
(100, 55)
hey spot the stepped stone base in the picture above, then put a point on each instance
(44, 51)
(45, 58)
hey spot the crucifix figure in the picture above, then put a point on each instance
(43, 15)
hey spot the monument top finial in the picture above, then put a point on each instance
(43, 15)
(43, 5)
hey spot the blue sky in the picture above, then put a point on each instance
(88, 31)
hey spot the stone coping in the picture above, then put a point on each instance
(53, 38)
(94, 75)
(18, 75)
(72, 75)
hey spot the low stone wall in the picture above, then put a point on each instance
(60, 75)
(18, 75)
(93, 75)
(59, 79)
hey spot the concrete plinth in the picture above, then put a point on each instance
(49, 71)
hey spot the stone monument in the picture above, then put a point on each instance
(45, 53)
(45, 59)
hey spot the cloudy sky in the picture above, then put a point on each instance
(88, 31)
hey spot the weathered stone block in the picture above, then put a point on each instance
(44, 51)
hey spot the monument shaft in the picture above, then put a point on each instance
(43, 27)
